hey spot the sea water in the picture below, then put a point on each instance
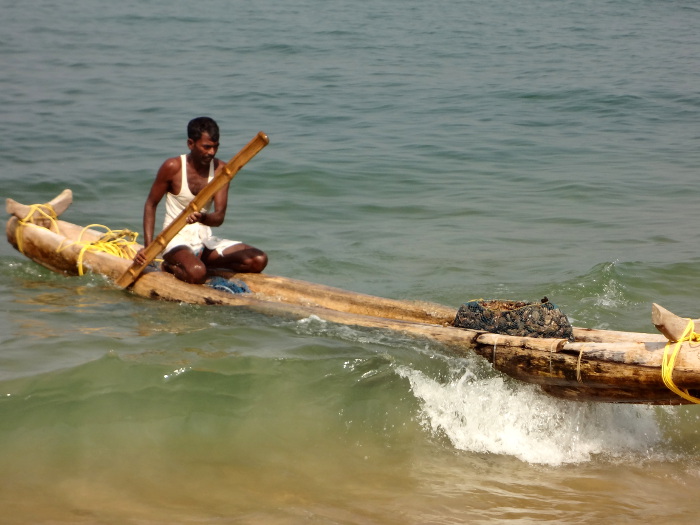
(441, 151)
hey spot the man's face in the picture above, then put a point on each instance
(204, 149)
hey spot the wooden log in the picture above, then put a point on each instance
(608, 371)
(614, 395)
(526, 359)
(41, 214)
(587, 373)
(669, 324)
(305, 293)
(600, 365)
(592, 335)
(59, 253)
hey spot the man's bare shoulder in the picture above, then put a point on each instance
(170, 167)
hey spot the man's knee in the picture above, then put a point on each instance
(258, 262)
(196, 273)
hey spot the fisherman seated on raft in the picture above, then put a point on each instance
(194, 249)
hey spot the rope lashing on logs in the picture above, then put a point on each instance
(115, 242)
(579, 378)
(37, 212)
(669, 361)
(120, 243)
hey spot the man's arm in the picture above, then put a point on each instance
(216, 217)
(160, 187)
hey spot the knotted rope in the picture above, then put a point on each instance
(120, 243)
(115, 242)
(37, 212)
(669, 362)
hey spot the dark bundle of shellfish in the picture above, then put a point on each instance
(518, 318)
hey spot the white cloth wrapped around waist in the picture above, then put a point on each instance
(198, 236)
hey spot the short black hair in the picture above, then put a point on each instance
(197, 126)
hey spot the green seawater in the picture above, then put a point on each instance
(439, 151)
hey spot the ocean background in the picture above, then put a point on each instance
(441, 151)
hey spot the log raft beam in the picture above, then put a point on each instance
(600, 365)
(669, 324)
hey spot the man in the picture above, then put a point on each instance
(194, 248)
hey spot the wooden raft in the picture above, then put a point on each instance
(599, 365)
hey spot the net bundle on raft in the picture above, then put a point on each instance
(516, 318)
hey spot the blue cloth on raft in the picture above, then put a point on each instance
(228, 285)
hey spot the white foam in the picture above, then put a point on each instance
(499, 416)
(176, 373)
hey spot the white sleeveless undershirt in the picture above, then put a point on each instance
(174, 204)
(195, 235)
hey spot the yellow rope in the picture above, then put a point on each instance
(669, 362)
(120, 243)
(115, 242)
(36, 211)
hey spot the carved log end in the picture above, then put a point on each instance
(59, 204)
(668, 323)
